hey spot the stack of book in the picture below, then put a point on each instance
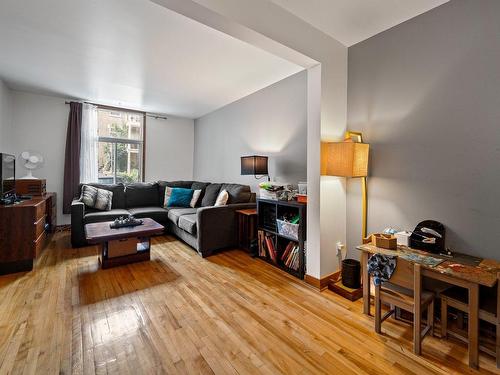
(290, 256)
(266, 246)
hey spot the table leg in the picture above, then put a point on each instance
(473, 325)
(366, 283)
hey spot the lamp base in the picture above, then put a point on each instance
(344, 291)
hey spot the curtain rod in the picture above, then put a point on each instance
(152, 115)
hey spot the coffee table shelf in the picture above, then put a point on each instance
(127, 244)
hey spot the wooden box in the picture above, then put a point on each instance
(386, 241)
(34, 187)
(119, 248)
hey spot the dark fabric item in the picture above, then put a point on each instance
(175, 213)
(200, 186)
(381, 267)
(180, 197)
(72, 155)
(188, 223)
(77, 225)
(237, 193)
(156, 213)
(172, 184)
(141, 194)
(96, 216)
(211, 193)
(118, 191)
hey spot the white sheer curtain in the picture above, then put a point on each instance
(89, 144)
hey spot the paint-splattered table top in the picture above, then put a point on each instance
(484, 273)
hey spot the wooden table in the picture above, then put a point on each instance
(123, 245)
(247, 227)
(463, 275)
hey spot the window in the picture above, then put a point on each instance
(121, 146)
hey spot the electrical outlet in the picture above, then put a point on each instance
(340, 247)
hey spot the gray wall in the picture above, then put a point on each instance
(426, 95)
(272, 121)
(5, 118)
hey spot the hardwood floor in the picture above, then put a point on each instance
(180, 313)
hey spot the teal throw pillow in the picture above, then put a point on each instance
(180, 197)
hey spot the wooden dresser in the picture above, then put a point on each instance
(24, 228)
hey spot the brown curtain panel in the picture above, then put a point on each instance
(72, 156)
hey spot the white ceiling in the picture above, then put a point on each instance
(351, 21)
(129, 53)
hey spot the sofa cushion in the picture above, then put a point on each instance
(237, 193)
(211, 193)
(175, 213)
(156, 213)
(142, 194)
(172, 184)
(118, 191)
(95, 216)
(188, 223)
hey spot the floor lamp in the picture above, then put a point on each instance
(348, 159)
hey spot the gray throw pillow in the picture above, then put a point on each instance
(99, 199)
(211, 193)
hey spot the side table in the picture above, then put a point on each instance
(247, 228)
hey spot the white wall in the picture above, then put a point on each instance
(169, 149)
(270, 122)
(5, 118)
(40, 124)
(270, 27)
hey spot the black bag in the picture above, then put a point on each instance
(417, 239)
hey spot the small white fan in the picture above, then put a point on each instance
(31, 161)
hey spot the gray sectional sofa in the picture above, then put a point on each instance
(205, 228)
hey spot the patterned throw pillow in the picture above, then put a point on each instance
(222, 198)
(99, 199)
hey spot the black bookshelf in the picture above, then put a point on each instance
(269, 211)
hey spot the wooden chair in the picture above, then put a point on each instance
(404, 291)
(489, 306)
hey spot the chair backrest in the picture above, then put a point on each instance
(404, 274)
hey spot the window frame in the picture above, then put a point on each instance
(115, 141)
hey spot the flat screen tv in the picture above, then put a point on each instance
(7, 175)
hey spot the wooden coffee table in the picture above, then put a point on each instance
(122, 245)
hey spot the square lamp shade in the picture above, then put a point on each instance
(346, 159)
(254, 165)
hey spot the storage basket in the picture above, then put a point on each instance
(288, 229)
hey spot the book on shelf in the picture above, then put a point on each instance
(266, 246)
(288, 248)
(292, 259)
(270, 248)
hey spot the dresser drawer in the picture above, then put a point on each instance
(40, 211)
(40, 244)
(40, 226)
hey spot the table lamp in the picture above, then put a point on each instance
(348, 159)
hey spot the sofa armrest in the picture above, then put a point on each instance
(77, 224)
(217, 227)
